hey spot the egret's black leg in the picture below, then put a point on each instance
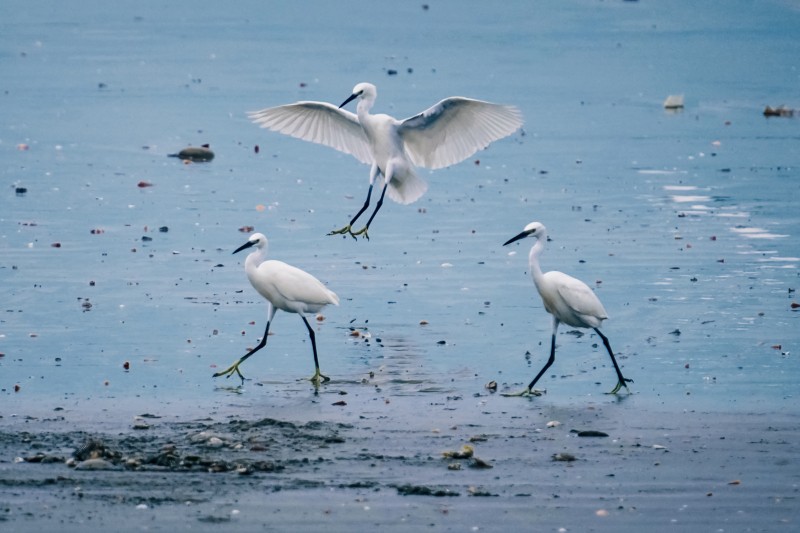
(317, 377)
(377, 207)
(348, 228)
(622, 381)
(547, 365)
(228, 372)
(530, 390)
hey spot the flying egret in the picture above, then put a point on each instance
(568, 299)
(440, 136)
(287, 288)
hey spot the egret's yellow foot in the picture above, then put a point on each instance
(362, 231)
(318, 378)
(526, 392)
(228, 372)
(620, 384)
(342, 231)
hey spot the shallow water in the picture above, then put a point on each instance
(684, 222)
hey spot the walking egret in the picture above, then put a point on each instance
(287, 288)
(440, 136)
(568, 299)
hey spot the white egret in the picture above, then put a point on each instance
(287, 288)
(440, 136)
(568, 299)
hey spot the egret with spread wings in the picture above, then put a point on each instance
(442, 135)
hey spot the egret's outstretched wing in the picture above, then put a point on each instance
(456, 128)
(318, 122)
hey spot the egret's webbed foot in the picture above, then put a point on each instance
(525, 393)
(228, 372)
(621, 383)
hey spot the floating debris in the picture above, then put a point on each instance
(674, 101)
(780, 111)
(197, 154)
(565, 457)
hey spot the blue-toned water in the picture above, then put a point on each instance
(683, 221)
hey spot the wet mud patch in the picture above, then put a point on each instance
(240, 446)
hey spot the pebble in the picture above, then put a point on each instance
(95, 464)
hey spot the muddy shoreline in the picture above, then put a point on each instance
(732, 472)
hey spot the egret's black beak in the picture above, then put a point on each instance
(246, 245)
(518, 237)
(349, 99)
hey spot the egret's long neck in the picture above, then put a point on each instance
(533, 260)
(363, 108)
(254, 259)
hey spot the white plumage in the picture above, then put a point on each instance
(445, 134)
(567, 299)
(286, 288)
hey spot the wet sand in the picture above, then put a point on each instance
(363, 466)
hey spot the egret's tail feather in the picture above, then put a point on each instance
(407, 190)
(333, 298)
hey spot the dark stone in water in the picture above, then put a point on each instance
(195, 153)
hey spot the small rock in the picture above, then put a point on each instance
(95, 464)
(195, 153)
(465, 452)
(479, 463)
(591, 433)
